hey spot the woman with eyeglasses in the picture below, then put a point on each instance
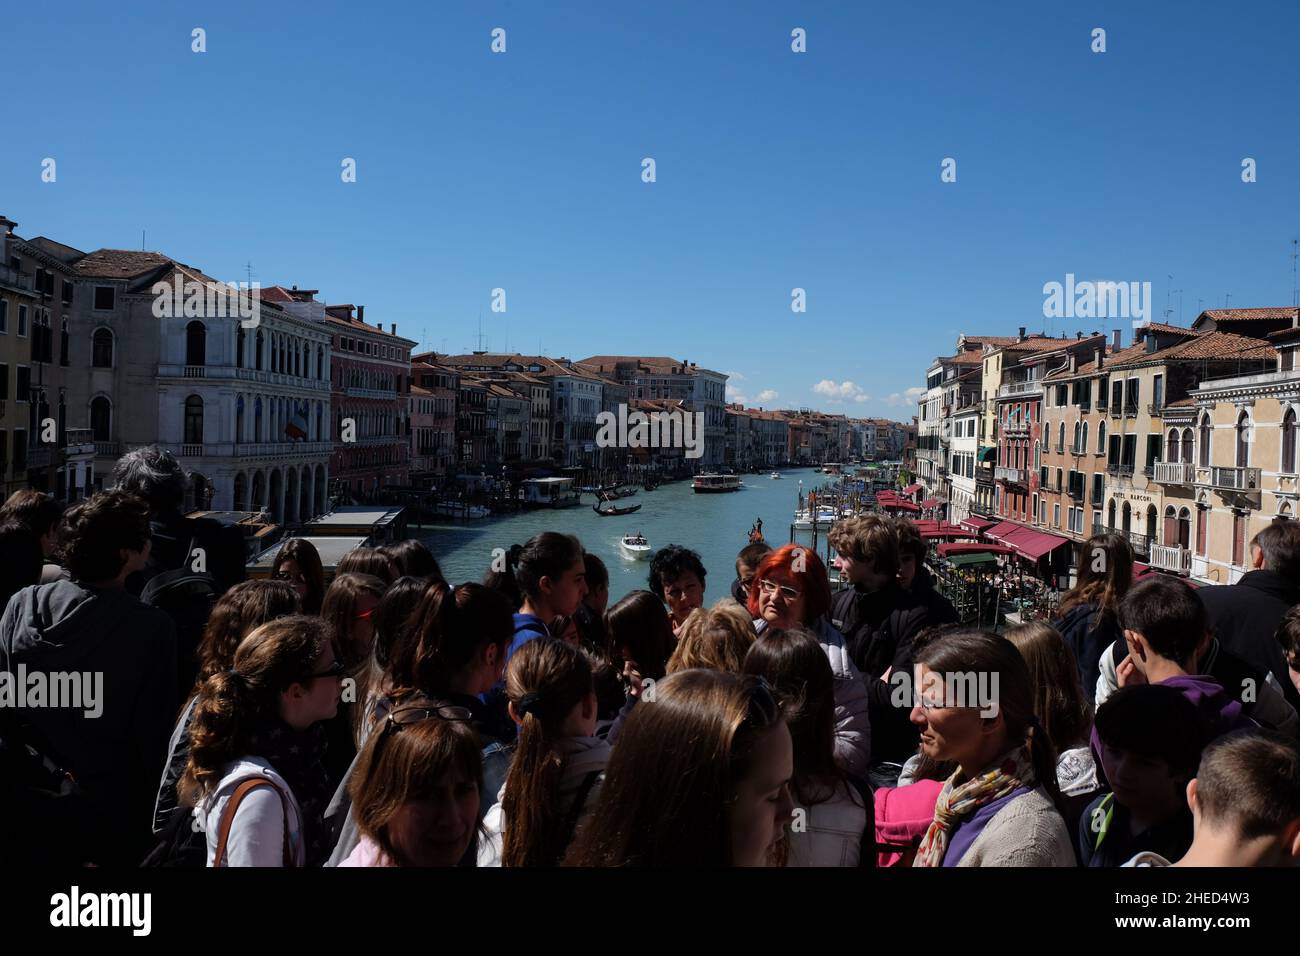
(349, 609)
(975, 706)
(254, 773)
(792, 589)
(555, 774)
(415, 788)
(700, 777)
(298, 563)
(237, 613)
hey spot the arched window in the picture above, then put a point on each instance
(1288, 441)
(63, 343)
(257, 420)
(239, 347)
(1184, 528)
(1170, 529)
(1187, 446)
(193, 420)
(101, 349)
(1110, 515)
(1204, 439)
(320, 362)
(1171, 445)
(1126, 517)
(1083, 445)
(1101, 438)
(101, 418)
(1243, 440)
(1078, 432)
(260, 342)
(196, 344)
(239, 419)
(1060, 438)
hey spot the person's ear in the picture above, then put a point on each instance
(1137, 646)
(491, 654)
(545, 584)
(1191, 796)
(514, 714)
(1291, 841)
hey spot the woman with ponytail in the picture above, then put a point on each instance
(452, 650)
(254, 773)
(238, 612)
(558, 764)
(974, 704)
(349, 610)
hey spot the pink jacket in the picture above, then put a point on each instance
(902, 816)
(367, 853)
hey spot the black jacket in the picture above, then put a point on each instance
(116, 756)
(939, 610)
(1245, 617)
(1088, 633)
(225, 558)
(878, 629)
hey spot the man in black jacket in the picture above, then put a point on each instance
(915, 577)
(878, 620)
(89, 635)
(1245, 616)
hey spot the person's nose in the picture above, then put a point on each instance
(917, 716)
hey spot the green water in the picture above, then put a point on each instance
(715, 525)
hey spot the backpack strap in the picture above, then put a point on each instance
(579, 801)
(228, 816)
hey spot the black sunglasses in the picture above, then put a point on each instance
(405, 716)
(337, 669)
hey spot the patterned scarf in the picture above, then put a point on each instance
(960, 802)
(297, 757)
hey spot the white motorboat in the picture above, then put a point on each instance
(826, 517)
(775, 476)
(634, 547)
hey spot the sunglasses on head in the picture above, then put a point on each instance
(337, 669)
(405, 716)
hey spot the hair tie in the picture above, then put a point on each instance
(526, 703)
(1035, 725)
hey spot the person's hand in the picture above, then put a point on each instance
(1127, 674)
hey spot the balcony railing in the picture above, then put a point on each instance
(1078, 450)
(1154, 410)
(1130, 411)
(108, 449)
(1175, 473)
(1141, 542)
(1020, 389)
(1014, 475)
(192, 450)
(1123, 470)
(1116, 411)
(38, 458)
(1171, 557)
(1234, 479)
(1015, 428)
(15, 278)
(195, 371)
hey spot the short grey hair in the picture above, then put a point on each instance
(155, 475)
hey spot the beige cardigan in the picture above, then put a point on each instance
(1028, 831)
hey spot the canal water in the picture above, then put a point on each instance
(715, 525)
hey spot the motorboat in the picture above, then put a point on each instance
(634, 547)
(775, 476)
(826, 517)
(712, 483)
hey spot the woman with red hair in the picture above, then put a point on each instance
(791, 589)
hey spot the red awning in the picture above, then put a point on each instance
(1033, 544)
(1001, 530)
(977, 524)
(930, 503)
(911, 489)
(902, 505)
(972, 547)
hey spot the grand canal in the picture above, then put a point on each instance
(715, 525)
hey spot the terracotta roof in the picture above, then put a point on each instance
(417, 390)
(1134, 351)
(662, 364)
(120, 263)
(1251, 315)
(1218, 345)
(1181, 403)
(1163, 327)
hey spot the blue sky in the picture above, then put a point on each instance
(775, 170)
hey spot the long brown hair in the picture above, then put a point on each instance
(370, 561)
(245, 606)
(640, 623)
(400, 764)
(447, 629)
(1059, 701)
(980, 652)
(546, 679)
(794, 664)
(304, 554)
(1105, 575)
(339, 610)
(671, 780)
(233, 702)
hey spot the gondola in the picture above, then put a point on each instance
(615, 511)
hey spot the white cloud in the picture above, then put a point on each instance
(909, 397)
(838, 393)
(768, 395)
(736, 376)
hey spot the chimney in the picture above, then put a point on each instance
(1098, 356)
(1115, 344)
(1074, 361)
(1078, 336)
(7, 226)
(361, 313)
(393, 326)
(1021, 334)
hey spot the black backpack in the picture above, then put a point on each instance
(38, 792)
(187, 597)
